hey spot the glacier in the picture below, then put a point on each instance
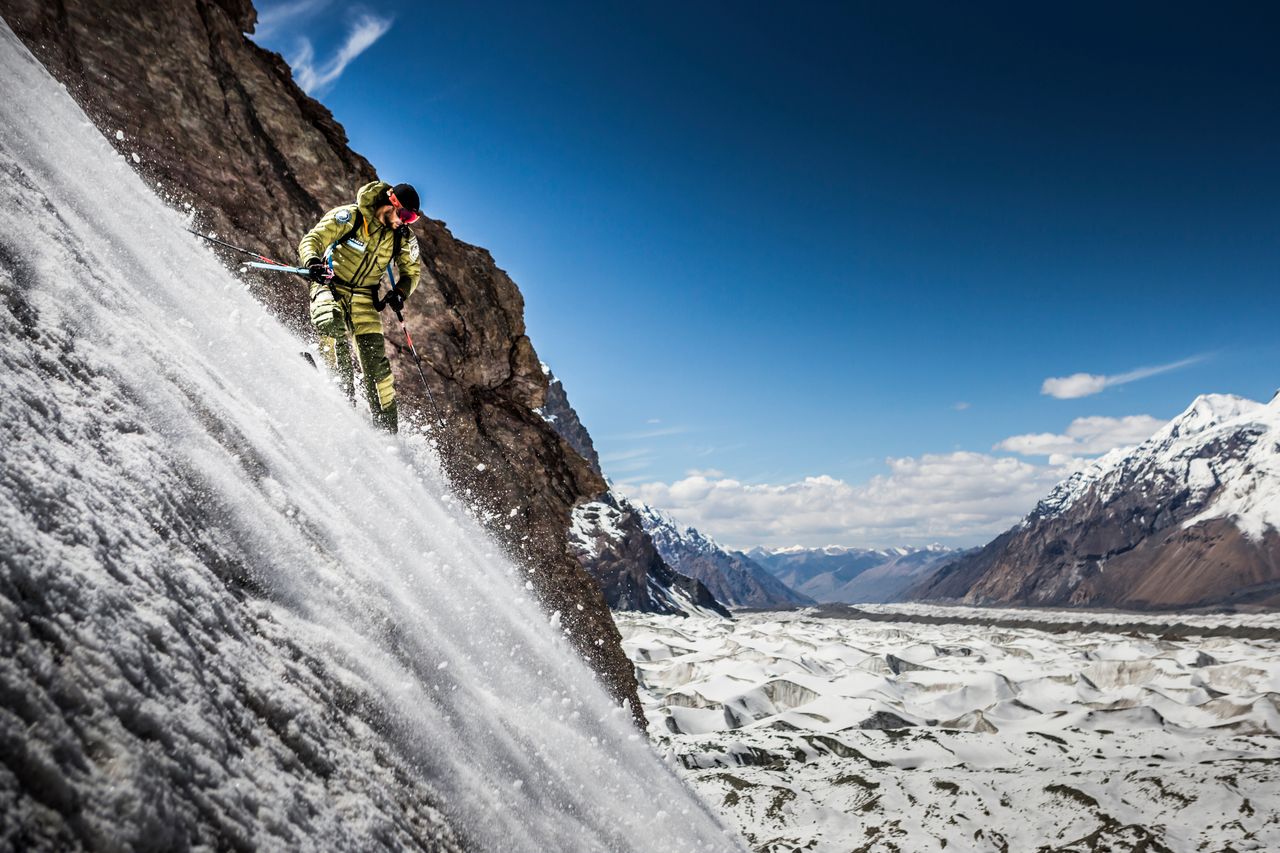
(232, 614)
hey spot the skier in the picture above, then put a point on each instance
(347, 253)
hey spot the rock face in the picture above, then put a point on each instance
(733, 578)
(564, 419)
(1188, 518)
(218, 123)
(852, 575)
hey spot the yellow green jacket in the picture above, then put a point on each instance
(362, 260)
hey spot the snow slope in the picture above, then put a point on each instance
(233, 615)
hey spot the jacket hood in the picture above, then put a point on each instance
(366, 194)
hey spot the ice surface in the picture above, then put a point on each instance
(233, 614)
(919, 736)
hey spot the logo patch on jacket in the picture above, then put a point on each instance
(355, 244)
(343, 216)
(413, 248)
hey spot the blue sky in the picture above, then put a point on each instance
(805, 271)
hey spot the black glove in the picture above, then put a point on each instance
(394, 300)
(319, 270)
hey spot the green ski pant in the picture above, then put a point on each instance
(352, 315)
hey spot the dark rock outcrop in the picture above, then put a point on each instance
(218, 123)
(564, 420)
(1185, 519)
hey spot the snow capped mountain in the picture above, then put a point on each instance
(610, 541)
(733, 578)
(1188, 517)
(851, 575)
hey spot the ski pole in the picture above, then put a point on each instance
(418, 361)
(236, 248)
(380, 303)
(278, 268)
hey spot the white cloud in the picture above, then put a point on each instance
(1086, 384)
(640, 435)
(1084, 437)
(961, 497)
(961, 406)
(281, 15)
(365, 31)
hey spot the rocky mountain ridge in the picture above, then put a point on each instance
(1188, 518)
(613, 545)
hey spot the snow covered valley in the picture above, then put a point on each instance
(826, 734)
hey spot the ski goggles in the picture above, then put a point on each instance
(406, 215)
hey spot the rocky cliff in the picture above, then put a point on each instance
(219, 124)
(1188, 518)
(559, 412)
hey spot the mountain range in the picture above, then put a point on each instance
(851, 575)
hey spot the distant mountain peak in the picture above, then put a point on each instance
(1206, 412)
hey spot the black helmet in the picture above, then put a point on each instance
(407, 197)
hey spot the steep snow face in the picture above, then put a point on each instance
(1220, 441)
(594, 524)
(233, 614)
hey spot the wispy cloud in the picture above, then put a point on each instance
(365, 30)
(630, 461)
(1086, 384)
(1084, 437)
(960, 406)
(624, 455)
(277, 17)
(640, 435)
(960, 497)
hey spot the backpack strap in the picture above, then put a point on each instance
(355, 228)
